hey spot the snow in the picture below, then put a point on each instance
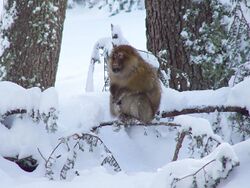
(183, 168)
(17, 140)
(239, 94)
(144, 154)
(27, 99)
(49, 99)
(198, 126)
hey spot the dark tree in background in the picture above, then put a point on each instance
(34, 38)
(164, 23)
(199, 42)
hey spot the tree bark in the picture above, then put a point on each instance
(165, 21)
(35, 41)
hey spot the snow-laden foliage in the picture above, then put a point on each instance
(112, 6)
(206, 46)
(222, 43)
(239, 38)
(47, 34)
(241, 72)
(207, 172)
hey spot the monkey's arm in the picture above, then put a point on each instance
(116, 95)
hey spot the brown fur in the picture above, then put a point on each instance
(134, 86)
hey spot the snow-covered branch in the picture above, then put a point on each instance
(226, 99)
(10, 113)
(136, 123)
(101, 52)
(31, 103)
(205, 109)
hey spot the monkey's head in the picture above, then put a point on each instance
(122, 60)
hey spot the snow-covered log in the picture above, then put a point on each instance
(226, 99)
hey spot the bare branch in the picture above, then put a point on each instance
(190, 175)
(50, 157)
(41, 155)
(179, 145)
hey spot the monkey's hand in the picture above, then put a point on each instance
(114, 89)
(116, 103)
(117, 94)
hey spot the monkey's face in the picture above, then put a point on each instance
(123, 60)
(118, 61)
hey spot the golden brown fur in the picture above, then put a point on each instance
(134, 86)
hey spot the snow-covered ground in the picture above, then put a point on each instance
(142, 153)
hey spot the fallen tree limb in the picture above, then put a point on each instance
(28, 164)
(205, 109)
(12, 112)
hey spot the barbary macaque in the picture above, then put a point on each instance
(135, 90)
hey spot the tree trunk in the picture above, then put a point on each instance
(165, 21)
(34, 42)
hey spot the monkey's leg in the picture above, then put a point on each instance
(144, 108)
(138, 106)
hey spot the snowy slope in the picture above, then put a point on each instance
(143, 153)
(82, 29)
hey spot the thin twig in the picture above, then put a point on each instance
(179, 179)
(41, 155)
(53, 151)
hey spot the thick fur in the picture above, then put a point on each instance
(134, 85)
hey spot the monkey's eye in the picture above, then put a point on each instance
(120, 55)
